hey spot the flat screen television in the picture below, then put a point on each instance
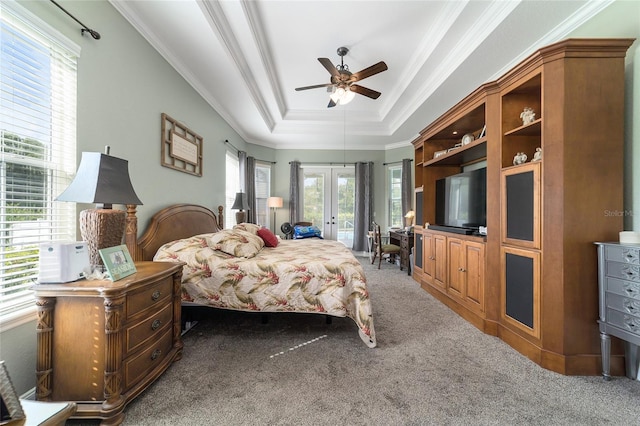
(461, 200)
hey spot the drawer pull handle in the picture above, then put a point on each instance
(156, 295)
(156, 324)
(156, 354)
(631, 289)
(631, 323)
(632, 306)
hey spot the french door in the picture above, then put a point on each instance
(328, 201)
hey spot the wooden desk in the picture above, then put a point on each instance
(405, 241)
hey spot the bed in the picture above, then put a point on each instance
(310, 275)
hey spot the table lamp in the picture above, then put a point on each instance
(103, 180)
(274, 203)
(408, 219)
(241, 205)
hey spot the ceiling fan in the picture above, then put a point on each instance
(342, 80)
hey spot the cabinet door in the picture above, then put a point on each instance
(418, 252)
(520, 206)
(429, 257)
(440, 261)
(521, 289)
(474, 274)
(456, 267)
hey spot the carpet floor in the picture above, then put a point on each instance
(430, 367)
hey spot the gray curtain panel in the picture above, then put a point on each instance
(407, 190)
(294, 192)
(363, 215)
(250, 185)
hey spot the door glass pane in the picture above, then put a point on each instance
(346, 198)
(313, 200)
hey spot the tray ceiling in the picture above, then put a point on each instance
(245, 58)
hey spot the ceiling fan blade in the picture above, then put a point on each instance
(326, 62)
(364, 91)
(317, 86)
(368, 72)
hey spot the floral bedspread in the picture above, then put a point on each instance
(309, 275)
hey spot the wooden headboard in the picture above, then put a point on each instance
(171, 223)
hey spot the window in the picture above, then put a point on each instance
(263, 191)
(395, 196)
(37, 151)
(232, 185)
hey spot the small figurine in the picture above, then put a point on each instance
(519, 158)
(537, 156)
(528, 116)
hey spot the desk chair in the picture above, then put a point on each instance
(380, 250)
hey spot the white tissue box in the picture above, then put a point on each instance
(630, 237)
(62, 262)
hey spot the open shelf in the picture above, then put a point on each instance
(531, 129)
(476, 150)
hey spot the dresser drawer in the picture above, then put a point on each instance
(623, 288)
(148, 296)
(149, 328)
(623, 304)
(623, 254)
(138, 366)
(624, 321)
(624, 271)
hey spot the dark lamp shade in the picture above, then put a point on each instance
(240, 202)
(101, 179)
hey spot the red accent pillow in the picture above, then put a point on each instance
(270, 239)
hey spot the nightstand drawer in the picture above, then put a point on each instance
(623, 254)
(137, 367)
(153, 295)
(623, 304)
(624, 321)
(149, 328)
(623, 288)
(623, 271)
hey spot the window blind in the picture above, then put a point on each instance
(263, 191)
(38, 69)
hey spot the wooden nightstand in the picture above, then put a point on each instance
(101, 343)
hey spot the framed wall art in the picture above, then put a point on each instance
(181, 147)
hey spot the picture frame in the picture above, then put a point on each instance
(181, 147)
(118, 262)
(11, 410)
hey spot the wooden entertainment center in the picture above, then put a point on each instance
(532, 280)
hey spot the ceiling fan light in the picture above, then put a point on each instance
(342, 96)
(347, 97)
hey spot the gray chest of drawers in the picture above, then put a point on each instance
(619, 289)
